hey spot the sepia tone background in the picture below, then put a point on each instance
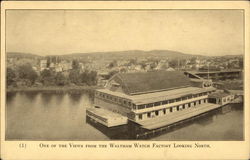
(225, 149)
(59, 32)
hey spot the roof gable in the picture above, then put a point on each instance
(146, 82)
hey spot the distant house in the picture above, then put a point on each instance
(52, 65)
(43, 64)
(66, 65)
(170, 69)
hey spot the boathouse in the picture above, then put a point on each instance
(150, 95)
(221, 98)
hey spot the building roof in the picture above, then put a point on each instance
(223, 71)
(146, 82)
(218, 95)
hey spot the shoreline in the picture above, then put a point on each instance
(56, 89)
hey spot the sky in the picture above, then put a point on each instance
(59, 32)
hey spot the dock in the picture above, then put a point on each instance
(106, 117)
(155, 123)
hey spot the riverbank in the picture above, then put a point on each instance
(55, 89)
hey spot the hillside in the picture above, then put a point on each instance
(122, 55)
(134, 54)
(21, 55)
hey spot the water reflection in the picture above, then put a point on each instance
(61, 116)
(30, 95)
(10, 96)
(75, 98)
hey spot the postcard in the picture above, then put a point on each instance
(125, 80)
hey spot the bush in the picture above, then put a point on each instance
(47, 77)
(26, 72)
(11, 76)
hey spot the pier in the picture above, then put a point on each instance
(106, 117)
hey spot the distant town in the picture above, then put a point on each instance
(94, 69)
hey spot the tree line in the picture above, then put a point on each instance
(25, 75)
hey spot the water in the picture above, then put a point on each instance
(50, 116)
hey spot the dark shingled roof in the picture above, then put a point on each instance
(146, 82)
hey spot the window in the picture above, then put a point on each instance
(189, 104)
(184, 98)
(164, 111)
(140, 116)
(178, 108)
(178, 99)
(125, 102)
(157, 103)
(171, 109)
(165, 102)
(171, 101)
(149, 105)
(134, 106)
(141, 106)
(149, 114)
(156, 113)
(129, 103)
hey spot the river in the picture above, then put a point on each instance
(53, 116)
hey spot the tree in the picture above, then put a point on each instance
(241, 63)
(10, 76)
(173, 63)
(193, 60)
(84, 77)
(92, 78)
(143, 65)
(60, 79)
(132, 62)
(75, 65)
(26, 72)
(112, 64)
(74, 76)
(47, 77)
(89, 77)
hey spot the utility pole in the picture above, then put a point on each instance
(208, 72)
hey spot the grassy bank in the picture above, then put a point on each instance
(54, 89)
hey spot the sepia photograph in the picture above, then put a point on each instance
(124, 74)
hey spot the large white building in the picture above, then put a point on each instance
(150, 98)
